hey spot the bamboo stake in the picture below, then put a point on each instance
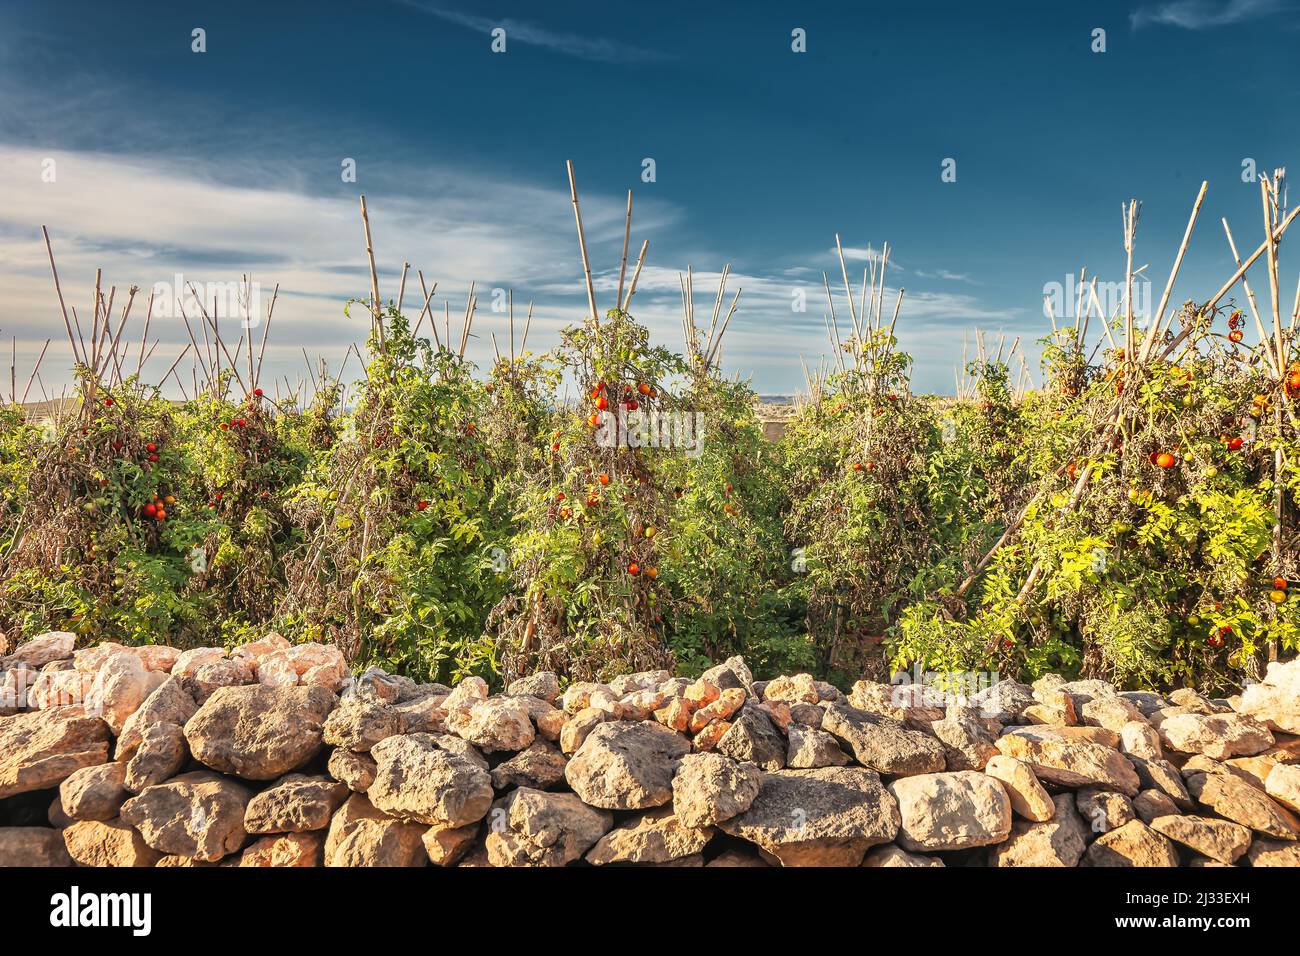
(1241, 270)
(582, 244)
(1154, 329)
(59, 290)
(627, 236)
(640, 260)
(848, 291)
(376, 313)
(1250, 300)
(528, 321)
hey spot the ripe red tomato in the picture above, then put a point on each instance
(1235, 335)
(602, 402)
(603, 478)
(1279, 583)
(150, 510)
(257, 392)
(633, 568)
(421, 505)
(1234, 444)
(151, 447)
(1165, 460)
(108, 403)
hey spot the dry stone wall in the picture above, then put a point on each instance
(273, 754)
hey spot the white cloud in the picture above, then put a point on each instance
(144, 219)
(1205, 14)
(599, 49)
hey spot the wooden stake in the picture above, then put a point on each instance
(582, 244)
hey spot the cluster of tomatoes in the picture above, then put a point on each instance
(1234, 327)
(1278, 594)
(600, 397)
(156, 510)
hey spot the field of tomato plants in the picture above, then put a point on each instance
(1133, 516)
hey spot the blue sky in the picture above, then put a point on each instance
(226, 162)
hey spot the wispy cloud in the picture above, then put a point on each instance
(598, 49)
(1206, 14)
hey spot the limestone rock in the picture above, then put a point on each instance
(198, 814)
(188, 662)
(1027, 795)
(447, 845)
(44, 649)
(1072, 763)
(159, 756)
(359, 723)
(1150, 804)
(1216, 735)
(294, 804)
(967, 740)
(893, 856)
(356, 771)
(415, 779)
(1004, 702)
(1277, 708)
(1111, 712)
(543, 684)
(1217, 839)
(809, 748)
(536, 828)
(360, 835)
(626, 766)
(825, 817)
(709, 787)
(259, 732)
(285, 849)
(1163, 776)
(496, 723)
(1273, 853)
(94, 793)
(575, 730)
(951, 811)
(1058, 842)
(225, 672)
(801, 688)
(1104, 810)
(1235, 800)
(539, 766)
(108, 843)
(655, 837)
(1133, 844)
(884, 744)
(39, 750)
(426, 714)
(466, 694)
(752, 736)
(733, 672)
(172, 702)
(32, 846)
(1283, 785)
(728, 702)
(1140, 739)
(119, 688)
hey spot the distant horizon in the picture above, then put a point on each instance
(151, 160)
